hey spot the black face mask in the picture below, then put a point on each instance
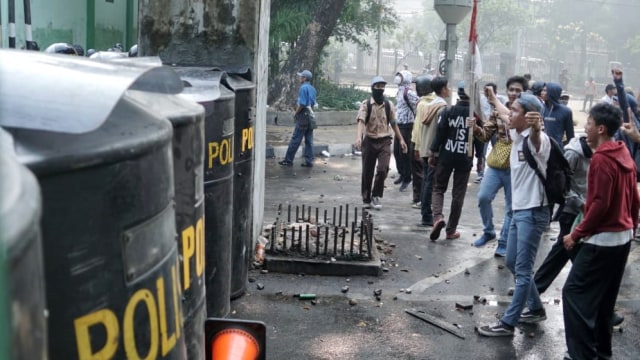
(378, 95)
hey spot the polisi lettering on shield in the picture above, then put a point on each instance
(220, 152)
(192, 251)
(154, 304)
(247, 139)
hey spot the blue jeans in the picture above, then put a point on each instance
(525, 233)
(427, 188)
(296, 139)
(491, 183)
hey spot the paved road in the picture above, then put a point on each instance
(434, 271)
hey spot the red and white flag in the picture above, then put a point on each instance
(473, 73)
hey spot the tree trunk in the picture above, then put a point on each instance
(305, 55)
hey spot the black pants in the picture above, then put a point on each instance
(589, 297)
(403, 161)
(557, 257)
(417, 172)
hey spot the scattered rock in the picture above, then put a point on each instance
(531, 335)
(500, 266)
(407, 291)
(337, 178)
(464, 306)
(404, 270)
(314, 302)
(385, 269)
(447, 282)
(264, 271)
(353, 302)
(556, 301)
(251, 279)
(377, 292)
(467, 272)
(370, 282)
(491, 289)
(347, 280)
(260, 286)
(510, 291)
(344, 289)
(419, 257)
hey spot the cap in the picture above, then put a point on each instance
(529, 102)
(565, 94)
(377, 79)
(305, 74)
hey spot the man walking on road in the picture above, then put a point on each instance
(610, 219)
(406, 100)
(530, 215)
(589, 93)
(424, 132)
(376, 126)
(306, 100)
(449, 155)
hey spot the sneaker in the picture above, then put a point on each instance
(437, 228)
(478, 180)
(405, 185)
(285, 163)
(482, 240)
(416, 205)
(497, 329)
(427, 221)
(616, 319)
(306, 165)
(376, 203)
(366, 205)
(501, 251)
(454, 235)
(532, 317)
(397, 181)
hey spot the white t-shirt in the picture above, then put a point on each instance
(607, 99)
(527, 191)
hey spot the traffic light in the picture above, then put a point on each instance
(231, 339)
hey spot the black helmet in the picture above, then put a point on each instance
(79, 49)
(133, 52)
(423, 85)
(61, 48)
(91, 52)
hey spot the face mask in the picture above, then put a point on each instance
(397, 80)
(378, 95)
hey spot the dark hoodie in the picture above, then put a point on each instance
(613, 207)
(558, 118)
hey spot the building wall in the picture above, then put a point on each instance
(97, 24)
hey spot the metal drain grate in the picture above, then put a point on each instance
(328, 238)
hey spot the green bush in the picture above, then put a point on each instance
(336, 97)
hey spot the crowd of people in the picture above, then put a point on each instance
(598, 217)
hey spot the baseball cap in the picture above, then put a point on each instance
(377, 79)
(305, 74)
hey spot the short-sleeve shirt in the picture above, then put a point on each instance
(527, 191)
(307, 95)
(378, 126)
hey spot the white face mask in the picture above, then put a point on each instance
(397, 80)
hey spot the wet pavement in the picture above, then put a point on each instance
(354, 325)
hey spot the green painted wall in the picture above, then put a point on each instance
(95, 24)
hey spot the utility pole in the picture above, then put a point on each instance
(379, 54)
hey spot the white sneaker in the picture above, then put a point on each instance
(376, 203)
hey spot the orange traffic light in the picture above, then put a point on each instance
(230, 339)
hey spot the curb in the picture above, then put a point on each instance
(333, 149)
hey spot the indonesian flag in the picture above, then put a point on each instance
(473, 74)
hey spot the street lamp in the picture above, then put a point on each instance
(452, 12)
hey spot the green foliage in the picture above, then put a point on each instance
(334, 97)
(289, 19)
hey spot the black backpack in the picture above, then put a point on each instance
(387, 110)
(559, 172)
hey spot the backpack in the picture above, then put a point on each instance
(559, 172)
(406, 100)
(387, 110)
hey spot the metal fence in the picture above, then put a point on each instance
(314, 233)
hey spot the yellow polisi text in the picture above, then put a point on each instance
(121, 331)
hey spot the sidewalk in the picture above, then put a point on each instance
(338, 139)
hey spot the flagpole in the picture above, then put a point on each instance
(473, 38)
